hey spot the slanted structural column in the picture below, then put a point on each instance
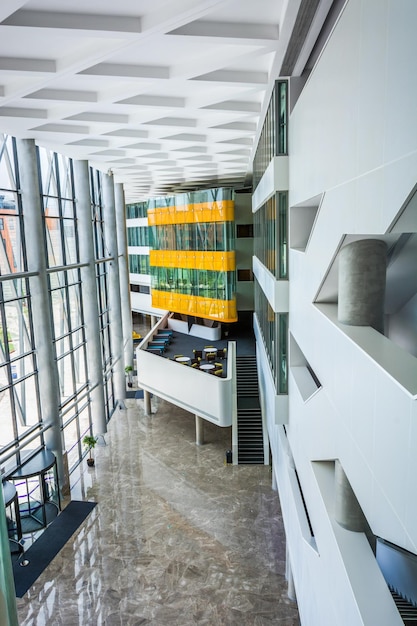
(42, 317)
(119, 199)
(115, 312)
(362, 279)
(89, 289)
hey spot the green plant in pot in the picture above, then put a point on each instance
(89, 442)
(129, 375)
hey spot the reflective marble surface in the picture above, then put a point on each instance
(178, 538)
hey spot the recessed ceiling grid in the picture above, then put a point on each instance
(160, 92)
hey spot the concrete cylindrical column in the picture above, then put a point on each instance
(154, 320)
(147, 403)
(89, 289)
(199, 430)
(115, 311)
(119, 200)
(362, 278)
(42, 317)
(348, 512)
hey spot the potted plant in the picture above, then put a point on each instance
(89, 441)
(129, 376)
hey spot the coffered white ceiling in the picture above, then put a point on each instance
(167, 94)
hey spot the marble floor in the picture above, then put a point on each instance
(178, 537)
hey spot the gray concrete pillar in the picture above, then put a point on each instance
(42, 318)
(199, 430)
(154, 320)
(119, 199)
(89, 290)
(348, 512)
(115, 309)
(362, 278)
(147, 403)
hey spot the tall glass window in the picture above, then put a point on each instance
(58, 200)
(21, 425)
(274, 329)
(20, 415)
(271, 235)
(273, 138)
(102, 287)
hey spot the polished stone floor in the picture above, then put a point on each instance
(178, 537)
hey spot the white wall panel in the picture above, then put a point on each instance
(353, 138)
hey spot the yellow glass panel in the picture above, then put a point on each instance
(209, 308)
(222, 211)
(192, 259)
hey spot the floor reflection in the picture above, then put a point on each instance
(178, 537)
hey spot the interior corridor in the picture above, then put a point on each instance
(178, 537)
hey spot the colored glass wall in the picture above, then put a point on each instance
(192, 257)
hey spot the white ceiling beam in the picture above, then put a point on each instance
(8, 7)
(91, 22)
(126, 70)
(19, 64)
(64, 95)
(155, 101)
(235, 76)
(246, 34)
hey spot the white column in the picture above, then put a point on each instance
(115, 309)
(124, 273)
(199, 430)
(89, 289)
(40, 298)
(147, 403)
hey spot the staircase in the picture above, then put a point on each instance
(249, 416)
(406, 609)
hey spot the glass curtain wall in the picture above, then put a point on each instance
(20, 415)
(137, 209)
(273, 138)
(139, 264)
(21, 425)
(102, 260)
(274, 330)
(138, 236)
(192, 258)
(64, 279)
(204, 237)
(271, 235)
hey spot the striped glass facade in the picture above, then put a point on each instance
(192, 258)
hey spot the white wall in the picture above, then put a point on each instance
(353, 138)
(208, 396)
